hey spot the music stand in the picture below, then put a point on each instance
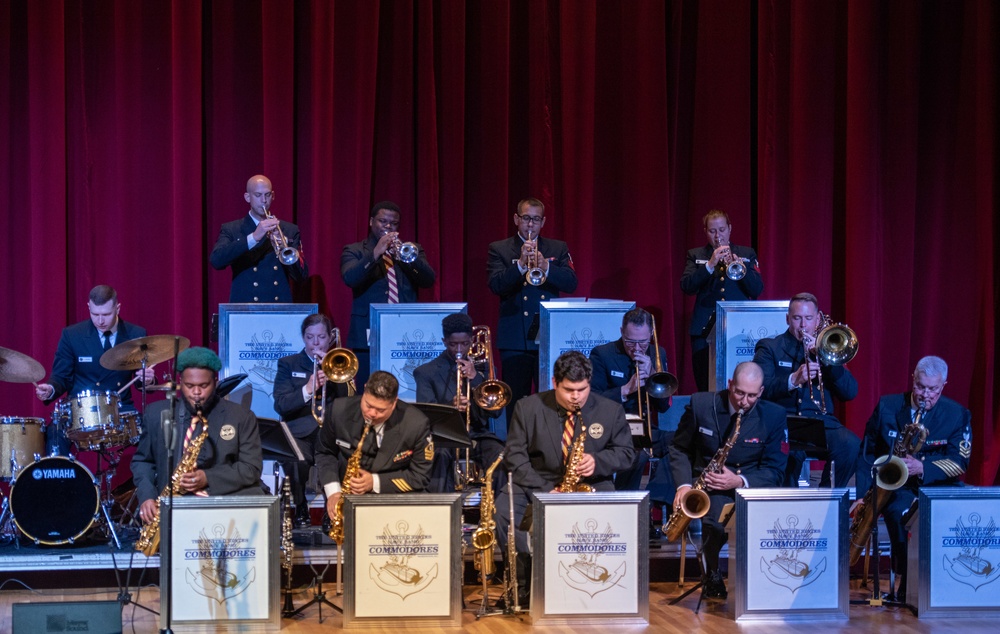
(447, 425)
(807, 435)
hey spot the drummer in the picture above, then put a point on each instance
(77, 366)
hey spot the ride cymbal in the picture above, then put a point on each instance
(17, 367)
(128, 355)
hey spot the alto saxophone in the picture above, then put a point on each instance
(484, 536)
(892, 474)
(149, 537)
(571, 479)
(353, 466)
(695, 502)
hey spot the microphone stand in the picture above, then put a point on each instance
(167, 511)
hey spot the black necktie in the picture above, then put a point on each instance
(107, 340)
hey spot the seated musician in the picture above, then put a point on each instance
(297, 393)
(621, 368)
(77, 365)
(807, 388)
(437, 381)
(540, 443)
(397, 451)
(755, 460)
(942, 459)
(229, 461)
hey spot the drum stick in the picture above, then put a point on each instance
(129, 384)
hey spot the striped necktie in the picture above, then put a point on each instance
(390, 275)
(568, 431)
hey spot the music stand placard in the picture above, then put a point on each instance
(252, 337)
(738, 328)
(224, 565)
(404, 336)
(403, 560)
(591, 558)
(791, 555)
(954, 553)
(569, 324)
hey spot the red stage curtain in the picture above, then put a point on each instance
(854, 145)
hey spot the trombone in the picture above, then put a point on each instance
(340, 365)
(659, 384)
(836, 344)
(286, 254)
(535, 275)
(491, 394)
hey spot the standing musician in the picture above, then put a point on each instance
(77, 365)
(620, 368)
(706, 275)
(229, 462)
(540, 442)
(941, 461)
(397, 453)
(437, 381)
(807, 388)
(380, 269)
(299, 388)
(755, 460)
(250, 247)
(510, 264)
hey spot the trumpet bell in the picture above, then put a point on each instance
(492, 395)
(535, 277)
(836, 344)
(661, 385)
(289, 256)
(736, 270)
(407, 253)
(340, 365)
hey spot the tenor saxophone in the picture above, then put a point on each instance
(149, 537)
(695, 502)
(353, 466)
(571, 479)
(484, 536)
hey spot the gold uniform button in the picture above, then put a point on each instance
(275, 298)
(525, 313)
(275, 268)
(543, 296)
(275, 282)
(255, 269)
(255, 299)
(525, 298)
(255, 283)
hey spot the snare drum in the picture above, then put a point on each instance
(54, 500)
(94, 415)
(22, 441)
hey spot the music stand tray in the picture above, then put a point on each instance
(277, 442)
(447, 425)
(806, 434)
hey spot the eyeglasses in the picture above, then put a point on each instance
(526, 219)
(636, 343)
(917, 387)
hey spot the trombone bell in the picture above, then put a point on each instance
(836, 344)
(340, 365)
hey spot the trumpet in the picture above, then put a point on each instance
(286, 254)
(835, 344)
(535, 275)
(340, 365)
(736, 269)
(405, 252)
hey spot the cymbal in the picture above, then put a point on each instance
(17, 367)
(162, 387)
(128, 355)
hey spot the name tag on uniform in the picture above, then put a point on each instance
(706, 431)
(85, 359)
(618, 374)
(892, 434)
(299, 375)
(344, 443)
(701, 261)
(784, 364)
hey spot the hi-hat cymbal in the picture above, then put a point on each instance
(17, 367)
(128, 355)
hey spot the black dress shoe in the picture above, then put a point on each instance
(713, 587)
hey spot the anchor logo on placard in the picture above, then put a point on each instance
(585, 573)
(787, 570)
(969, 566)
(396, 575)
(213, 578)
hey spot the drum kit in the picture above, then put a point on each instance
(92, 420)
